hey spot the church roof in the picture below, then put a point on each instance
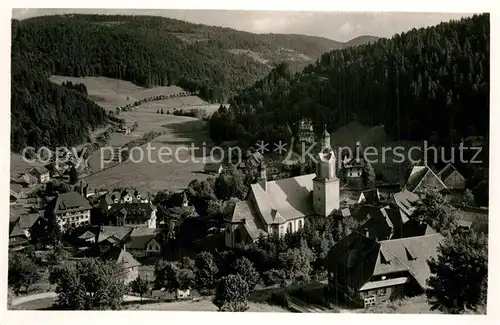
(289, 197)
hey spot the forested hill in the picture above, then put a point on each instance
(426, 83)
(151, 50)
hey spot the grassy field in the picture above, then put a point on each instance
(178, 132)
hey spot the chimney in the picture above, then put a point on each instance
(367, 233)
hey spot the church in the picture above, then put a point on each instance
(281, 206)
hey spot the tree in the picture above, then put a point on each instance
(172, 277)
(368, 175)
(73, 176)
(481, 193)
(467, 198)
(50, 234)
(206, 271)
(245, 268)
(459, 275)
(140, 286)
(91, 284)
(230, 184)
(435, 211)
(232, 294)
(187, 263)
(297, 262)
(23, 272)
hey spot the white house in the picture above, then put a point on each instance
(71, 209)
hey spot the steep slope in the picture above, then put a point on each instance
(148, 51)
(426, 84)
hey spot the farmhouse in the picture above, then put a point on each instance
(123, 258)
(17, 193)
(133, 214)
(22, 228)
(452, 178)
(71, 209)
(143, 241)
(41, 173)
(281, 206)
(422, 177)
(362, 270)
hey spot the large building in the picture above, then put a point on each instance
(71, 209)
(282, 206)
(364, 271)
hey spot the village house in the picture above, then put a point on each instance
(41, 173)
(123, 258)
(450, 177)
(421, 178)
(17, 193)
(22, 227)
(71, 209)
(363, 271)
(213, 168)
(26, 180)
(281, 206)
(132, 214)
(143, 242)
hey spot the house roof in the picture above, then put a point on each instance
(133, 211)
(40, 170)
(16, 188)
(447, 171)
(17, 231)
(421, 177)
(26, 221)
(245, 213)
(140, 237)
(106, 199)
(421, 248)
(212, 167)
(87, 235)
(118, 232)
(290, 198)
(26, 178)
(70, 201)
(357, 258)
(120, 256)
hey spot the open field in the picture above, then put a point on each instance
(178, 132)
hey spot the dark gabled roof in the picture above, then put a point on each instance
(26, 178)
(120, 256)
(40, 170)
(106, 199)
(27, 221)
(70, 201)
(17, 231)
(106, 232)
(447, 171)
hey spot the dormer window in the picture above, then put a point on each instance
(385, 257)
(410, 254)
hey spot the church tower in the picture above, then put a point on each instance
(325, 140)
(326, 191)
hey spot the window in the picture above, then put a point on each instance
(382, 291)
(237, 235)
(289, 228)
(300, 224)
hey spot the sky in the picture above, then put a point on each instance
(339, 26)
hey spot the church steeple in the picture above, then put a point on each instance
(325, 139)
